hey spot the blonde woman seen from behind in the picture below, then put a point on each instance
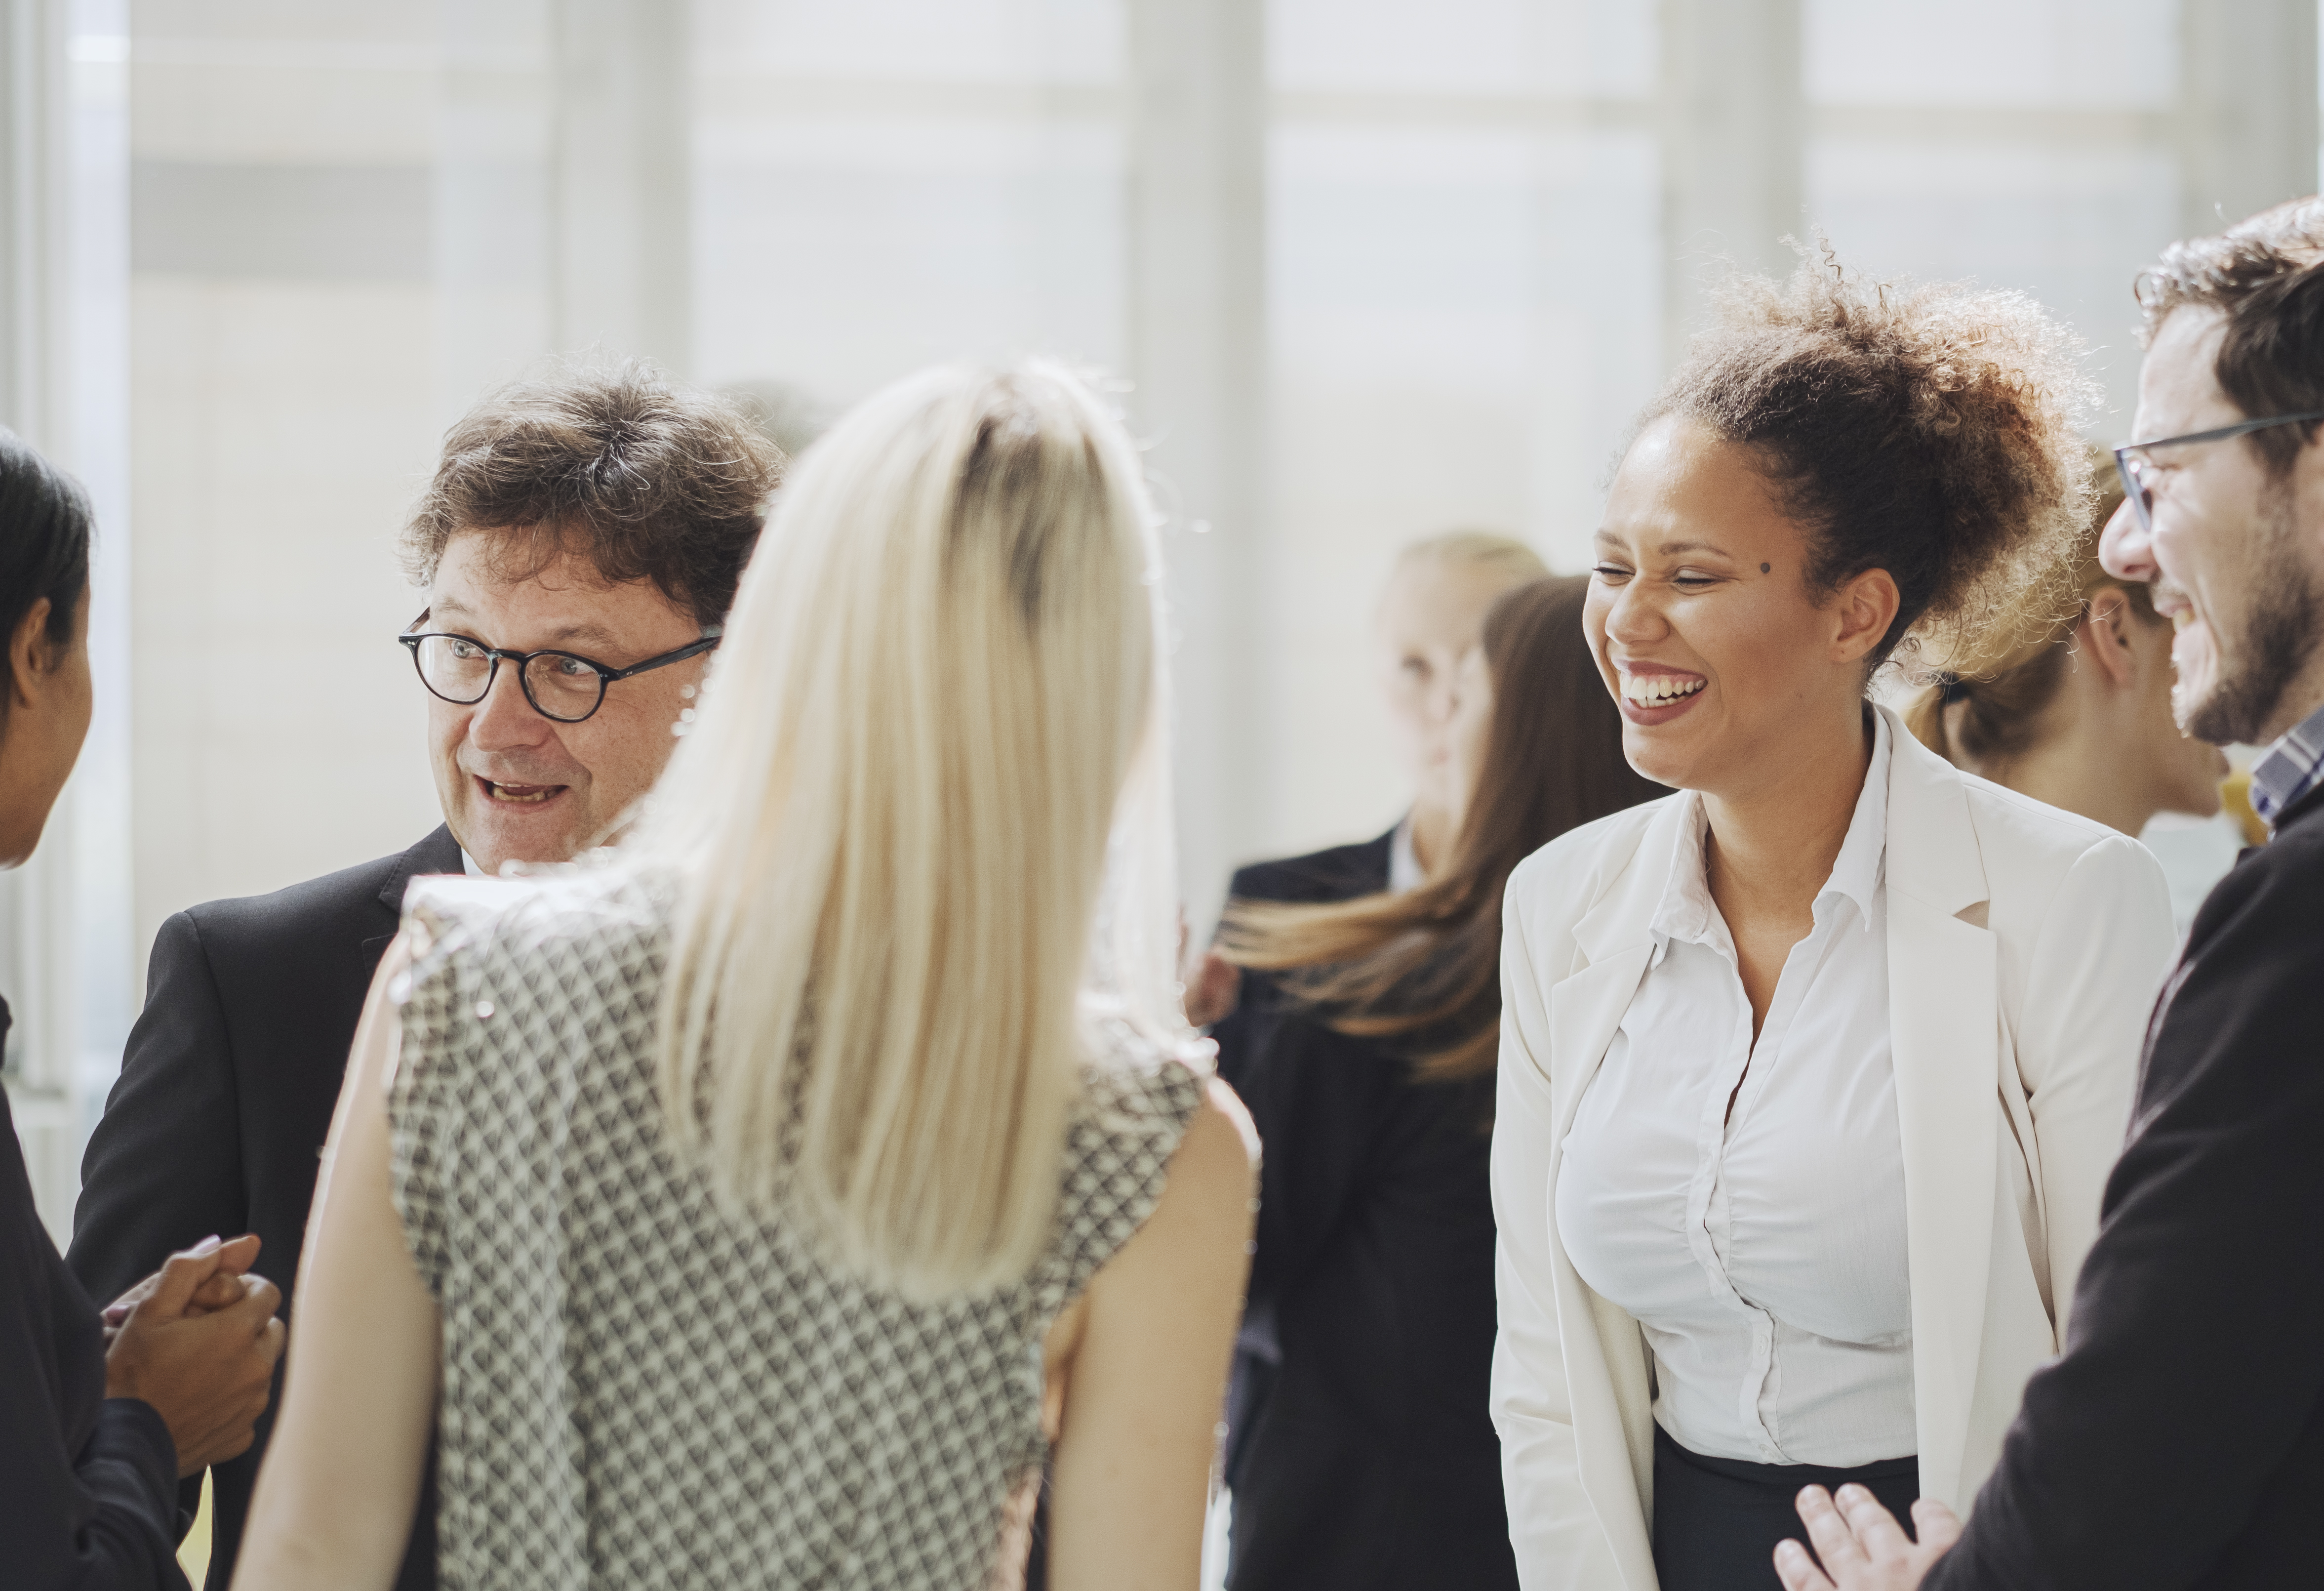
(770, 1204)
(2074, 709)
(1811, 1072)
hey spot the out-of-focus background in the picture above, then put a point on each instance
(1367, 269)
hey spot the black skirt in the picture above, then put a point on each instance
(1718, 1521)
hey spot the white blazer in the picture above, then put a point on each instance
(2025, 948)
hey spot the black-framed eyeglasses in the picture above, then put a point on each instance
(2132, 470)
(563, 686)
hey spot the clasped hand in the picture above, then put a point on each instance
(197, 1340)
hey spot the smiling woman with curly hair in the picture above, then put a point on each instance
(1811, 1072)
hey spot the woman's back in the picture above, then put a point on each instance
(641, 1388)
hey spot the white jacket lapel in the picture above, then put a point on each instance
(1943, 1026)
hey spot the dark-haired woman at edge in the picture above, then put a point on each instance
(1812, 1071)
(94, 1436)
(1371, 1462)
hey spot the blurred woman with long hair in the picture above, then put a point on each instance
(1360, 1452)
(766, 1208)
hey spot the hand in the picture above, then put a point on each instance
(1213, 987)
(224, 1288)
(1862, 1546)
(207, 1374)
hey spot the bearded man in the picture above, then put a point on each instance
(2177, 1443)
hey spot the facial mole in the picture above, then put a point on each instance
(1764, 568)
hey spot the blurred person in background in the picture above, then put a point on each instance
(2177, 1444)
(2077, 713)
(1371, 1459)
(97, 1425)
(578, 546)
(1811, 1072)
(762, 1206)
(1428, 621)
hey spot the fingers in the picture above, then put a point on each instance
(1213, 987)
(173, 1289)
(1875, 1529)
(235, 1256)
(1797, 1570)
(260, 1299)
(1937, 1526)
(238, 1254)
(1829, 1533)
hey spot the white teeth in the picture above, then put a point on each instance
(1652, 689)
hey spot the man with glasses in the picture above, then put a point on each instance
(2177, 1441)
(579, 547)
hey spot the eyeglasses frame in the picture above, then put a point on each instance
(2142, 502)
(607, 675)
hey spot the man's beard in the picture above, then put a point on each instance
(2278, 635)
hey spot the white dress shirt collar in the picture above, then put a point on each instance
(1685, 911)
(1404, 869)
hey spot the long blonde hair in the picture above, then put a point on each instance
(932, 744)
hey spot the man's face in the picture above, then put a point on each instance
(2236, 557)
(517, 787)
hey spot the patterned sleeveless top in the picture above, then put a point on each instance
(640, 1391)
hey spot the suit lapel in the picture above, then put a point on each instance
(438, 853)
(1615, 939)
(1612, 1412)
(1944, 1020)
(1584, 1012)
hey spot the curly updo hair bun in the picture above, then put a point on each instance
(1930, 430)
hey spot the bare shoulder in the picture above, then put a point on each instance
(1221, 1139)
(1220, 1152)
(1206, 1192)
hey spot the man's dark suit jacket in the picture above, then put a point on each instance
(2178, 1443)
(225, 1097)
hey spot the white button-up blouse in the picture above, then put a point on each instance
(1762, 1249)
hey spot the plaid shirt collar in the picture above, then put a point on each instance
(2291, 769)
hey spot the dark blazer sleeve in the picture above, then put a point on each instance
(164, 1169)
(87, 1484)
(85, 1521)
(2191, 1370)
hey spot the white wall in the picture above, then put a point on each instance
(283, 336)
